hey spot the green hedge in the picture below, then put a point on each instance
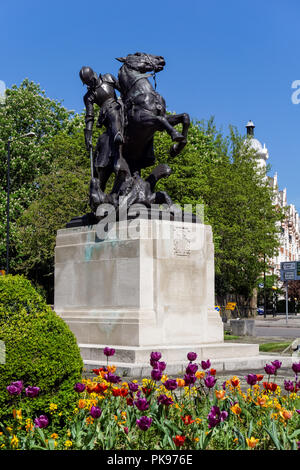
(41, 351)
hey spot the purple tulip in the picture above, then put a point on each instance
(251, 379)
(224, 385)
(161, 365)
(95, 412)
(32, 392)
(296, 367)
(108, 351)
(79, 387)
(298, 411)
(156, 374)
(133, 387)
(216, 416)
(205, 364)
(155, 356)
(210, 381)
(192, 356)
(191, 369)
(276, 364)
(113, 379)
(189, 379)
(144, 423)
(270, 369)
(164, 400)
(170, 384)
(15, 388)
(289, 386)
(154, 364)
(41, 422)
(142, 404)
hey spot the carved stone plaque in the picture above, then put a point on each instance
(182, 241)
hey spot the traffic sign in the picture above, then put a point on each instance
(290, 271)
(230, 306)
(288, 266)
(288, 275)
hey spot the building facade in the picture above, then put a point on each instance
(289, 235)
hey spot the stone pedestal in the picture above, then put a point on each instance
(242, 327)
(148, 286)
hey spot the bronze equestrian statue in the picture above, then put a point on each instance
(126, 147)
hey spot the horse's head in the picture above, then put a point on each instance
(142, 62)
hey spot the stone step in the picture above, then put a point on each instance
(135, 361)
(170, 353)
(222, 366)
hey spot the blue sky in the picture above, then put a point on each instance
(234, 60)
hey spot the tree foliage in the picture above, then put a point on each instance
(222, 172)
(25, 109)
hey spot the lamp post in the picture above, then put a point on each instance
(10, 140)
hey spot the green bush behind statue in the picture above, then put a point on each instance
(40, 350)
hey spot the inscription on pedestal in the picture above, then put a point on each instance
(182, 241)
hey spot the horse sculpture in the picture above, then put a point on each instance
(145, 111)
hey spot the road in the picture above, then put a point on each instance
(281, 331)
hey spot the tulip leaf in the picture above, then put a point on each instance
(274, 436)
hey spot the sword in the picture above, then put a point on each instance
(92, 163)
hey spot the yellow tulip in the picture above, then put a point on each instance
(252, 442)
(236, 409)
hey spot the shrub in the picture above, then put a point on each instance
(40, 350)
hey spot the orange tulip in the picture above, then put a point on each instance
(200, 374)
(252, 442)
(17, 414)
(220, 394)
(180, 382)
(261, 401)
(81, 404)
(285, 414)
(235, 381)
(236, 409)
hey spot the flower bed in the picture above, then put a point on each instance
(193, 412)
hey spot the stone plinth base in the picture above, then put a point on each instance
(134, 362)
(148, 285)
(242, 327)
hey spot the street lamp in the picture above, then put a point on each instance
(10, 140)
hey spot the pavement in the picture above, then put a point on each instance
(292, 321)
(280, 322)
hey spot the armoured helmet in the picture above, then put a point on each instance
(88, 76)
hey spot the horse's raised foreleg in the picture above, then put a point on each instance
(183, 119)
(159, 123)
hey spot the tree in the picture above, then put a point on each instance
(26, 108)
(221, 171)
(63, 194)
